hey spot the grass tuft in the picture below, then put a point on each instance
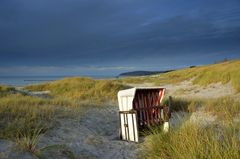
(20, 113)
(28, 141)
(193, 141)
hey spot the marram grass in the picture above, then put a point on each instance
(28, 141)
(191, 141)
(19, 113)
(225, 108)
(24, 118)
(6, 90)
(219, 140)
(82, 89)
(225, 72)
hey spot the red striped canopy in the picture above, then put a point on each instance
(140, 97)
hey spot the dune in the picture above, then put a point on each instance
(79, 116)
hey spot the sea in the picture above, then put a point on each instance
(28, 80)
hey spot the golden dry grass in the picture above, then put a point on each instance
(191, 140)
(81, 89)
(194, 141)
(203, 75)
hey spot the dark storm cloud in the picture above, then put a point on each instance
(115, 33)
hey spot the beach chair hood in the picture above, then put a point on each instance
(126, 97)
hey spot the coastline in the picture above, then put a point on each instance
(20, 81)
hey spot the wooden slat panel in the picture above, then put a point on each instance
(147, 105)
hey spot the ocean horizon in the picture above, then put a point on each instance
(27, 80)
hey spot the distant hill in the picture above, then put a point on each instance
(141, 73)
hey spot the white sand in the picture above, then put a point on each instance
(95, 135)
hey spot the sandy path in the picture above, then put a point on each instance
(95, 135)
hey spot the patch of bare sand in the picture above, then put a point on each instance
(92, 135)
(95, 135)
(141, 85)
(187, 89)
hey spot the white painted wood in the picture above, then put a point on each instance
(125, 101)
(166, 126)
(130, 133)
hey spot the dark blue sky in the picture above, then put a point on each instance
(79, 37)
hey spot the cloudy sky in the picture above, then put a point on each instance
(107, 37)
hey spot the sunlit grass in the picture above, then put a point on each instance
(203, 75)
(220, 140)
(6, 90)
(27, 141)
(81, 90)
(20, 113)
(223, 107)
(194, 141)
(24, 118)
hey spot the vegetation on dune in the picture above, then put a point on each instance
(223, 72)
(81, 89)
(225, 107)
(28, 141)
(204, 75)
(6, 90)
(24, 118)
(136, 80)
(20, 114)
(78, 90)
(194, 141)
(191, 140)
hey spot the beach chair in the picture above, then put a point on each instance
(140, 108)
